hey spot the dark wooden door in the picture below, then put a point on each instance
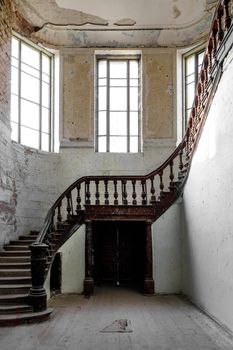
(118, 250)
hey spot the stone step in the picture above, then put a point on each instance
(15, 272)
(14, 265)
(14, 288)
(16, 253)
(13, 299)
(11, 247)
(15, 280)
(15, 309)
(15, 259)
(30, 317)
(22, 242)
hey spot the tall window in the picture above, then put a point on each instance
(193, 64)
(31, 97)
(118, 105)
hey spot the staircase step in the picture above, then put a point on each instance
(22, 242)
(15, 280)
(30, 317)
(15, 272)
(11, 253)
(15, 265)
(15, 259)
(33, 232)
(15, 309)
(16, 247)
(14, 299)
(14, 288)
(28, 237)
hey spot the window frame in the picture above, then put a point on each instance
(194, 52)
(42, 52)
(127, 58)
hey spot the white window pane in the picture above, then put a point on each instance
(45, 64)
(134, 69)
(14, 80)
(30, 70)
(29, 137)
(118, 82)
(15, 47)
(133, 144)
(45, 95)
(30, 114)
(30, 56)
(190, 65)
(102, 69)
(102, 99)
(30, 88)
(14, 62)
(134, 123)
(118, 144)
(45, 120)
(46, 78)
(102, 127)
(134, 99)
(118, 99)
(200, 58)
(102, 82)
(14, 108)
(134, 82)
(118, 69)
(102, 146)
(118, 123)
(190, 92)
(14, 131)
(190, 79)
(45, 142)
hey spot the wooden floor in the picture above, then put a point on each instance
(158, 323)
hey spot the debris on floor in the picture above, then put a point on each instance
(121, 326)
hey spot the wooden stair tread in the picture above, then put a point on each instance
(15, 286)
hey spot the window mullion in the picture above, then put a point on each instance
(108, 108)
(128, 108)
(40, 103)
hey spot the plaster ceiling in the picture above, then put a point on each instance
(130, 23)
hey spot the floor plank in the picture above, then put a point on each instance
(158, 323)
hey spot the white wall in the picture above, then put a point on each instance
(207, 212)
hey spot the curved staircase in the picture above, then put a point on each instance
(22, 295)
(15, 283)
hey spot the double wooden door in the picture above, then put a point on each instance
(118, 252)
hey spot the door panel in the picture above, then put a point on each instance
(118, 252)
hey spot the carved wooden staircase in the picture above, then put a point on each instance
(148, 196)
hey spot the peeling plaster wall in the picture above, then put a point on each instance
(207, 216)
(36, 182)
(7, 181)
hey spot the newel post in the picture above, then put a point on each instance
(149, 281)
(88, 281)
(37, 294)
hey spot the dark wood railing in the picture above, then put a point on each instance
(161, 187)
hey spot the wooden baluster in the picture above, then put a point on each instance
(152, 191)
(171, 176)
(202, 77)
(161, 185)
(210, 51)
(52, 226)
(144, 197)
(106, 194)
(97, 194)
(227, 18)
(134, 194)
(181, 164)
(219, 21)
(214, 38)
(68, 207)
(124, 193)
(87, 192)
(78, 199)
(206, 62)
(59, 217)
(115, 193)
